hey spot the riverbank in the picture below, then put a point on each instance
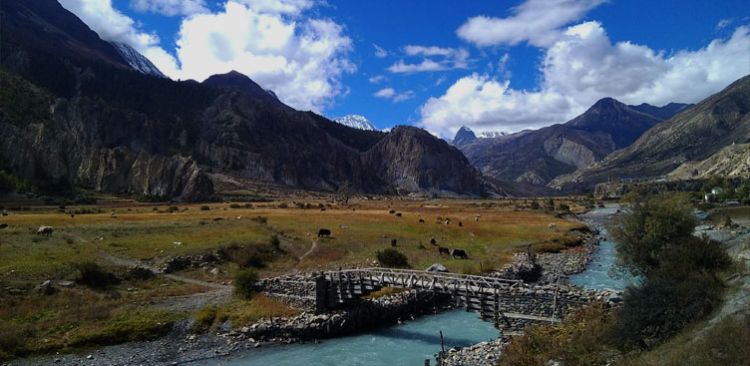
(182, 346)
(556, 268)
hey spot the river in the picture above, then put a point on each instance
(413, 342)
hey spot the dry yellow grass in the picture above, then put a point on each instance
(490, 232)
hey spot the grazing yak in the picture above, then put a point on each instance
(45, 230)
(398, 214)
(460, 224)
(324, 233)
(394, 242)
(459, 253)
(421, 220)
(3, 225)
(433, 241)
(442, 251)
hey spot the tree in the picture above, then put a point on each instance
(345, 192)
(648, 228)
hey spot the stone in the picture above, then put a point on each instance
(47, 288)
(437, 267)
(66, 284)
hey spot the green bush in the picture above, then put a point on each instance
(392, 258)
(244, 283)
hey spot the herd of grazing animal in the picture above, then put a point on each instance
(456, 253)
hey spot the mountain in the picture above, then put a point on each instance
(464, 136)
(74, 112)
(731, 161)
(664, 112)
(355, 121)
(537, 157)
(136, 60)
(693, 135)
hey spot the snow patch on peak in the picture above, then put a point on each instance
(356, 121)
(137, 61)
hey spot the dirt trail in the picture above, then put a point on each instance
(310, 251)
(218, 294)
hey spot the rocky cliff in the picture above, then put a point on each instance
(73, 112)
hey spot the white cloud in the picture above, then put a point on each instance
(401, 67)
(415, 50)
(112, 25)
(534, 21)
(390, 93)
(376, 79)
(301, 59)
(582, 67)
(170, 7)
(448, 58)
(380, 52)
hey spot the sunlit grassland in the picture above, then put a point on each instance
(80, 317)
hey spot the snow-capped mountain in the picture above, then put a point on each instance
(136, 60)
(356, 121)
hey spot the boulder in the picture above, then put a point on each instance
(437, 267)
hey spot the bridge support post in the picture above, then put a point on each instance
(321, 294)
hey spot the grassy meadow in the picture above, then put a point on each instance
(78, 316)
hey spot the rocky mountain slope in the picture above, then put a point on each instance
(693, 135)
(355, 121)
(731, 161)
(73, 111)
(537, 157)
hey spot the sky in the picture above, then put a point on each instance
(491, 65)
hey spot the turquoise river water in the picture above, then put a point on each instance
(413, 342)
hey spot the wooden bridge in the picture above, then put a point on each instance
(510, 304)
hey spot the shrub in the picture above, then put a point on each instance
(260, 219)
(250, 255)
(235, 205)
(275, 243)
(392, 258)
(140, 273)
(581, 339)
(93, 276)
(663, 306)
(205, 208)
(244, 283)
(204, 319)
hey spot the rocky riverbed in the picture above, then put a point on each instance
(480, 354)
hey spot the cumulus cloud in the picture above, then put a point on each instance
(582, 67)
(300, 58)
(448, 58)
(535, 21)
(390, 93)
(170, 7)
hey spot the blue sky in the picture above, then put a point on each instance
(500, 65)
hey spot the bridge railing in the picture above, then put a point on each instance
(442, 278)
